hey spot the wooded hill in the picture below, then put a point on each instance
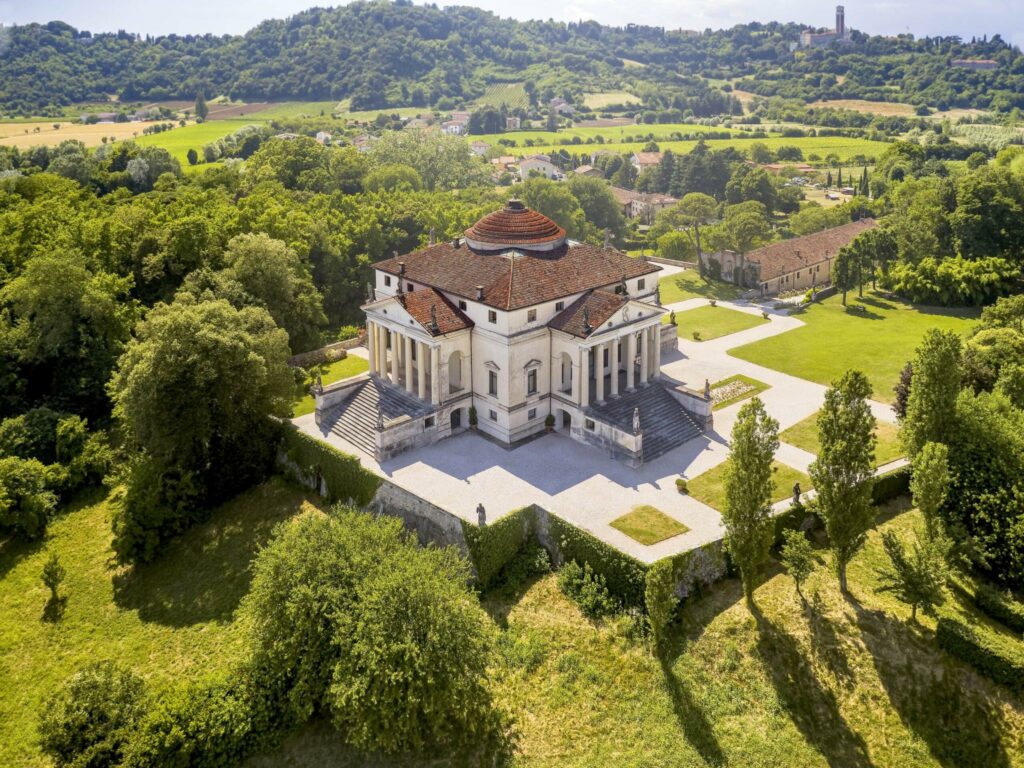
(383, 54)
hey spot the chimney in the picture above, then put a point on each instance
(479, 293)
(401, 267)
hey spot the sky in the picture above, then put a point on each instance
(966, 18)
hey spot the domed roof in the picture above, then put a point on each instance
(515, 226)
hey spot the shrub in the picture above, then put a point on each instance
(624, 576)
(660, 598)
(890, 485)
(549, 420)
(681, 485)
(342, 474)
(53, 575)
(26, 501)
(1000, 606)
(586, 589)
(492, 546)
(696, 335)
(989, 654)
(91, 718)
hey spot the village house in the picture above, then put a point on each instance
(646, 206)
(479, 148)
(323, 137)
(561, 106)
(514, 329)
(624, 197)
(512, 123)
(588, 170)
(644, 160)
(454, 127)
(539, 164)
(788, 265)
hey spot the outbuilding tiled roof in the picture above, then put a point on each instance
(427, 306)
(647, 158)
(588, 313)
(787, 256)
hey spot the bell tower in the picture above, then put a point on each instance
(840, 22)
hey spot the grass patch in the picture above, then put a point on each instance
(178, 141)
(648, 525)
(714, 322)
(690, 285)
(607, 98)
(511, 94)
(340, 369)
(834, 339)
(804, 435)
(757, 387)
(171, 621)
(709, 487)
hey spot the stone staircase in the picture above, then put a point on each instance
(663, 420)
(355, 420)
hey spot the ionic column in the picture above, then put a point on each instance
(613, 363)
(630, 357)
(599, 370)
(645, 354)
(656, 334)
(410, 385)
(435, 376)
(371, 346)
(395, 341)
(421, 368)
(574, 381)
(584, 377)
(382, 351)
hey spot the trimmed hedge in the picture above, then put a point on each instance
(493, 546)
(891, 485)
(792, 519)
(999, 606)
(344, 477)
(625, 577)
(989, 654)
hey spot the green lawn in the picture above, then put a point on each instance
(834, 339)
(713, 322)
(756, 388)
(690, 285)
(648, 525)
(804, 434)
(709, 488)
(171, 620)
(336, 371)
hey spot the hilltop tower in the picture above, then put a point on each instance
(840, 22)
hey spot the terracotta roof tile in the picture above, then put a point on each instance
(521, 280)
(588, 313)
(515, 225)
(427, 305)
(787, 256)
(647, 158)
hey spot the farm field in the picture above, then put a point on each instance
(511, 94)
(24, 135)
(607, 98)
(844, 147)
(887, 108)
(276, 111)
(612, 134)
(878, 341)
(178, 141)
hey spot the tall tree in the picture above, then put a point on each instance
(201, 109)
(844, 470)
(748, 491)
(933, 391)
(917, 579)
(929, 483)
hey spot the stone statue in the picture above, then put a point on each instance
(796, 493)
(481, 515)
(623, 288)
(607, 237)
(636, 420)
(380, 420)
(319, 386)
(657, 296)
(707, 389)
(672, 317)
(586, 319)
(369, 292)
(433, 318)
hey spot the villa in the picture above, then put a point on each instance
(515, 330)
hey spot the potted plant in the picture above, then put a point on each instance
(472, 417)
(696, 335)
(764, 314)
(681, 485)
(549, 422)
(713, 302)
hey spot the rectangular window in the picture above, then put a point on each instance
(531, 315)
(428, 422)
(559, 306)
(492, 316)
(531, 414)
(492, 383)
(409, 287)
(387, 280)
(531, 382)
(493, 415)
(589, 424)
(641, 284)
(462, 305)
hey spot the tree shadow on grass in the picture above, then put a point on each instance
(695, 724)
(812, 708)
(826, 643)
(13, 550)
(54, 610)
(960, 730)
(203, 575)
